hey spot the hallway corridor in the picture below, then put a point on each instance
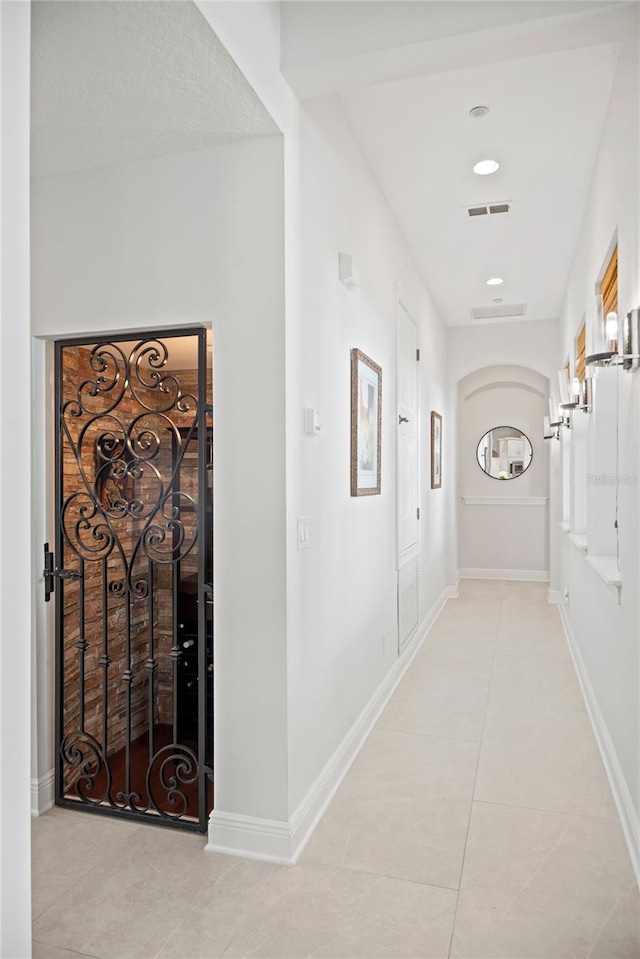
(476, 822)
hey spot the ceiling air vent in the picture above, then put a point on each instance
(501, 311)
(504, 208)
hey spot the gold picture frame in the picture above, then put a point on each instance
(436, 450)
(366, 425)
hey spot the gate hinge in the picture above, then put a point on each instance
(50, 572)
(417, 356)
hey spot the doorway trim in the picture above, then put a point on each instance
(127, 807)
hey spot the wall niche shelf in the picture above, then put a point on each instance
(607, 569)
(579, 540)
(504, 500)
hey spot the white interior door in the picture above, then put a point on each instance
(407, 447)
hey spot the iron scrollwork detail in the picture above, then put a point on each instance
(124, 454)
(173, 767)
(86, 760)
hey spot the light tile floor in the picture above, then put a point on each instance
(476, 822)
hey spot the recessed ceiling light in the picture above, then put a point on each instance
(495, 281)
(478, 112)
(484, 167)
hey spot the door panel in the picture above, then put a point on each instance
(134, 544)
(407, 467)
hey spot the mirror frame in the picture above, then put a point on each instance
(516, 475)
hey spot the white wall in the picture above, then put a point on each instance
(605, 626)
(342, 591)
(15, 505)
(533, 343)
(198, 239)
(503, 535)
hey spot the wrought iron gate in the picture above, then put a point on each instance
(133, 585)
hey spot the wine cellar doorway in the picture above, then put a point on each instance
(132, 576)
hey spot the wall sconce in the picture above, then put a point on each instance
(586, 395)
(581, 392)
(552, 422)
(631, 340)
(576, 389)
(550, 431)
(569, 394)
(547, 432)
(628, 337)
(556, 418)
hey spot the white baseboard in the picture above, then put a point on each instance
(524, 575)
(617, 782)
(43, 793)
(282, 842)
(249, 837)
(452, 592)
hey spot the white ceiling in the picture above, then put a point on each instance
(408, 73)
(317, 31)
(119, 81)
(546, 117)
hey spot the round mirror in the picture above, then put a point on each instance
(504, 452)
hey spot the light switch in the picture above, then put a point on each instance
(304, 532)
(312, 423)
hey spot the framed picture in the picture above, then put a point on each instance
(436, 450)
(366, 424)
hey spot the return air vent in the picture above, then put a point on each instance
(504, 208)
(498, 312)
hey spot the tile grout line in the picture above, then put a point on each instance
(603, 925)
(475, 780)
(382, 875)
(549, 812)
(413, 732)
(84, 955)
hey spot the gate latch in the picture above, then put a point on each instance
(50, 572)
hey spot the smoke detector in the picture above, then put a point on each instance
(478, 112)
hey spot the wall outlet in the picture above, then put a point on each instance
(566, 595)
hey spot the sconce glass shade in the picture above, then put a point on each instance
(611, 331)
(600, 348)
(555, 416)
(576, 388)
(546, 428)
